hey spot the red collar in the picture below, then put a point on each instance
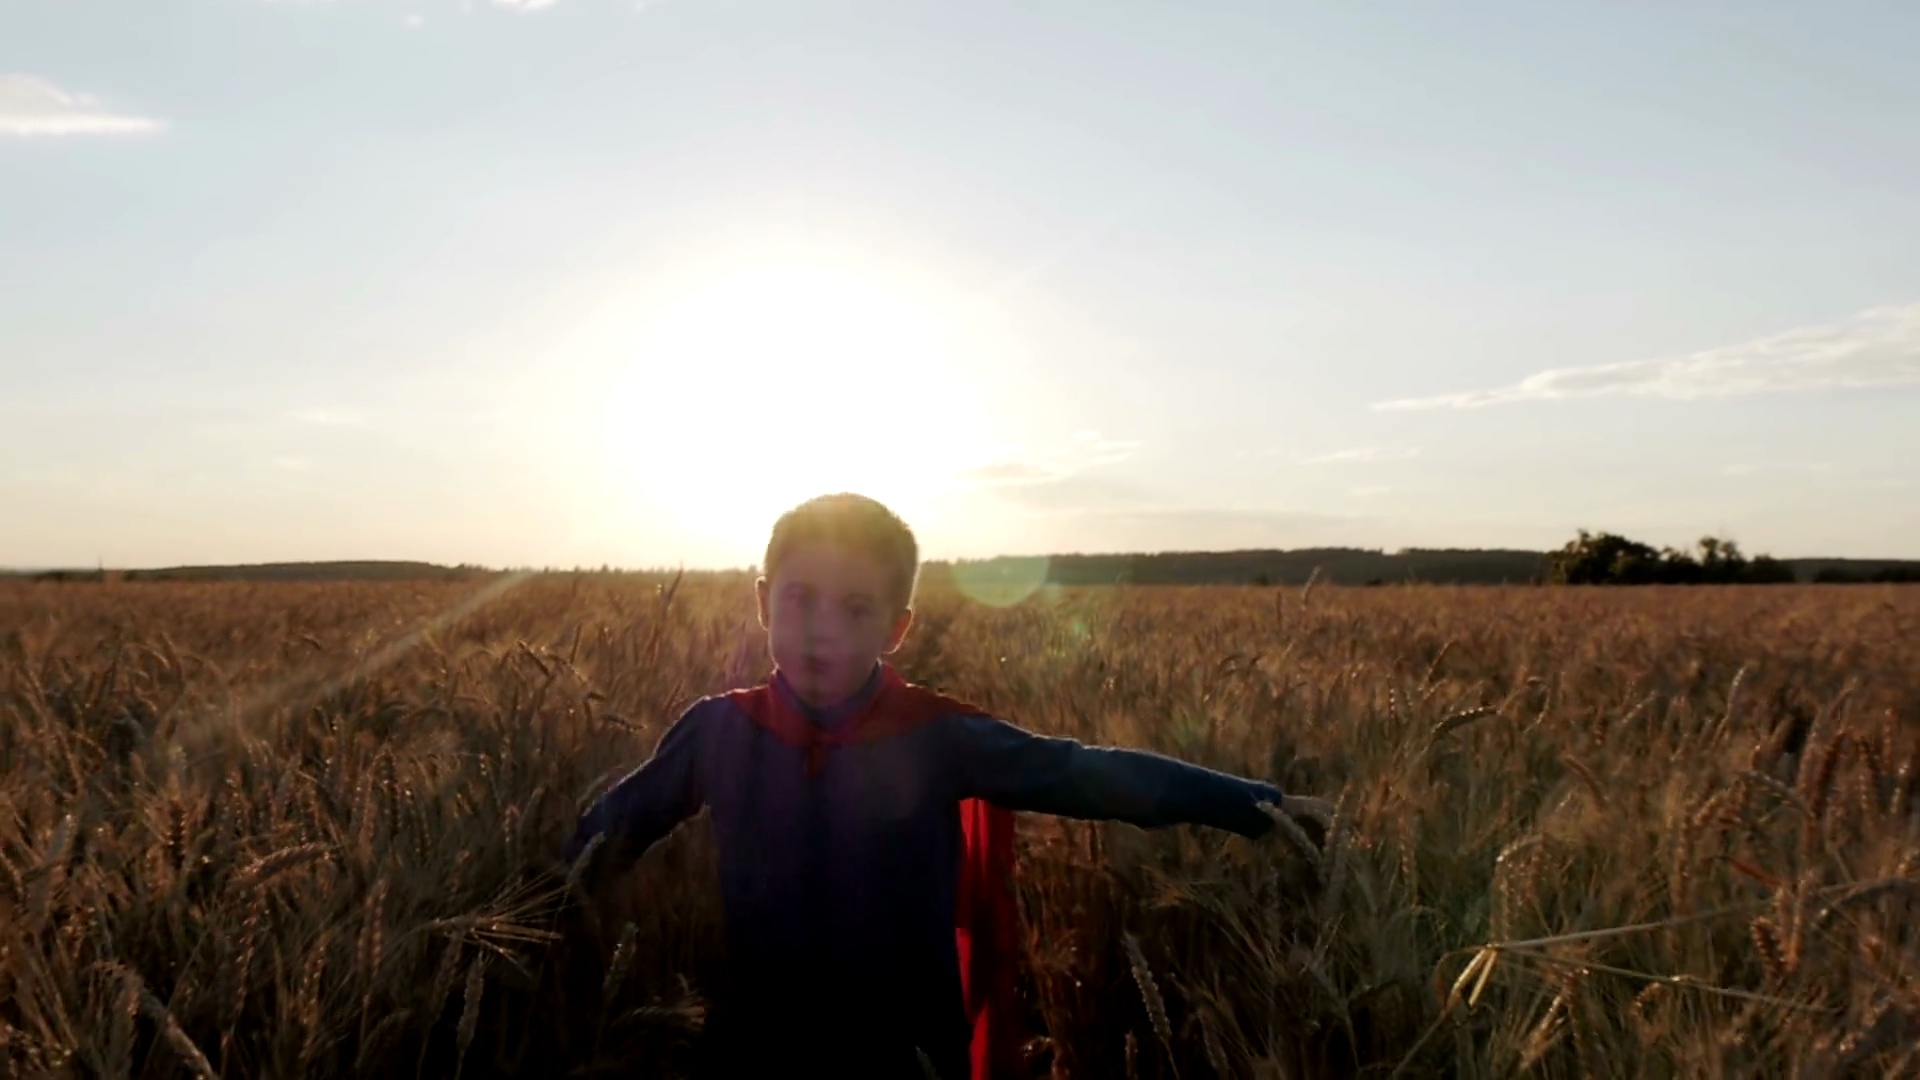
(887, 706)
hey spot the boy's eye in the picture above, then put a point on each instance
(859, 611)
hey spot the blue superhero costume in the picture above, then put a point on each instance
(865, 853)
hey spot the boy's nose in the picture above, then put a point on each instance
(819, 630)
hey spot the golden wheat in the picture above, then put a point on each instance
(315, 829)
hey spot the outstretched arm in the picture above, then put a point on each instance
(1019, 770)
(648, 802)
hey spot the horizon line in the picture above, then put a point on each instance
(607, 567)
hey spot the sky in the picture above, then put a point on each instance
(595, 281)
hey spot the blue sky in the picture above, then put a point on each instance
(595, 281)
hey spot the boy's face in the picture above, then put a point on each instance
(830, 615)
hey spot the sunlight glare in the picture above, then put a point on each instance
(747, 390)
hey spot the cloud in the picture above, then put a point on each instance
(1074, 504)
(1200, 528)
(1082, 451)
(1067, 478)
(1071, 503)
(1008, 472)
(1075, 492)
(465, 6)
(292, 463)
(1879, 347)
(1364, 453)
(328, 417)
(1092, 448)
(1784, 468)
(30, 105)
(1370, 491)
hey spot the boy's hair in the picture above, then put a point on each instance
(852, 523)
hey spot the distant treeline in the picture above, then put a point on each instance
(1589, 559)
(1837, 575)
(1345, 566)
(1601, 558)
(366, 570)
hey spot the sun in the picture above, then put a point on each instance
(748, 387)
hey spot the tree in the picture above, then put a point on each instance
(1610, 559)
(1604, 559)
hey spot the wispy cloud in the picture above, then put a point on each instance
(30, 105)
(1080, 506)
(1782, 468)
(1082, 451)
(1370, 491)
(292, 463)
(1880, 347)
(1200, 528)
(1363, 453)
(328, 417)
(1008, 472)
(466, 5)
(1079, 492)
(1096, 449)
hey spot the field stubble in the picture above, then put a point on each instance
(311, 829)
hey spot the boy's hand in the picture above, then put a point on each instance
(1320, 810)
(1289, 829)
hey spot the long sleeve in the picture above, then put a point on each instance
(1019, 770)
(645, 805)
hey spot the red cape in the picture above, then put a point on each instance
(985, 915)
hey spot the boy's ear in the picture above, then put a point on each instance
(901, 624)
(760, 595)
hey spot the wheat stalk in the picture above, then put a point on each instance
(1548, 1030)
(50, 873)
(372, 947)
(582, 863)
(1149, 992)
(622, 959)
(1458, 720)
(138, 995)
(475, 989)
(265, 870)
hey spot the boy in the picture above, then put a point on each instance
(860, 819)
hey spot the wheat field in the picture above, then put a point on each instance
(312, 829)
